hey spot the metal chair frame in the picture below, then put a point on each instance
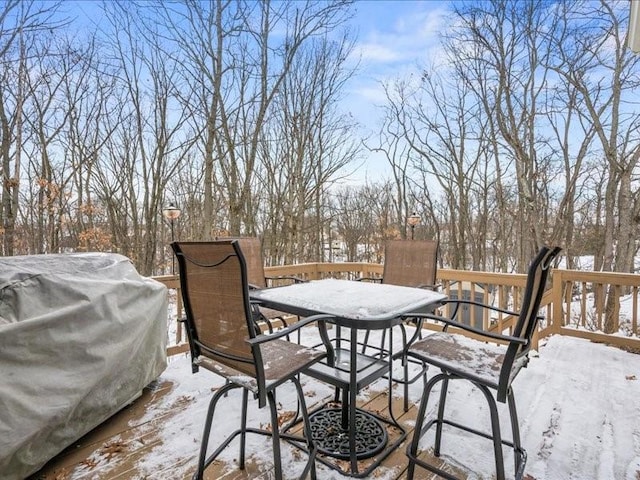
(252, 250)
(240, 356)
(444, 351)
(409, 263)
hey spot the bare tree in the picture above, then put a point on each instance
(390, 143)
(508, 127)
(92, 118)
(363, 216)
(507, 43)
(604, 74)
(234, 67)
(149, 143)
(306, 147)
(438, 126)
(19, 21)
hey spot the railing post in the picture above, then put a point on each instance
(316, 272)
(556, 290)
(179, 314)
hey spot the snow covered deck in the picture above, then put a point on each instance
(577, 401)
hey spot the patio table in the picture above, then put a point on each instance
(350, 433)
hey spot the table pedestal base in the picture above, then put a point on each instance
(327, 433)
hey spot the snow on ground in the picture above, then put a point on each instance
(577, 401)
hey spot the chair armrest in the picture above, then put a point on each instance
(468, 328)
(478, 304)
(287, 277)
(266, 337)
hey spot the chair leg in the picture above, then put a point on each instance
(443, 398)
(519, 455)
(495, 430)
(382, 341)
(405, 362)
(202, 459)
(365, 342)
(405, 404)
(243, 426)
(439, 421)
(412, 448)
(405, 366)
(275, 436)
(310, 467)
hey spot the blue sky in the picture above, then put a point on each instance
(393, 38)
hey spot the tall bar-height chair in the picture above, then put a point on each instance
(488, 366)
(408, 263)
(264, 318)
(223, 339)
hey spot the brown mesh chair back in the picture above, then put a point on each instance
(528, 318)
(252, 250)
(410, 263)
(216, 302)
(488, 366)
(222, 339)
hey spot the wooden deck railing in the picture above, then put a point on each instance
(572, 306)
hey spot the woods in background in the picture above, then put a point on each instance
(523, 130)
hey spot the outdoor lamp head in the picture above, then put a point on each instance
(171, 212)
(414, 219)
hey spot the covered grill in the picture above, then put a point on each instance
(80, 336)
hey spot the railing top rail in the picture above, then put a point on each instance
(314, 266)
(171, 281)
(617, 278)
(556, 300)
(510, 279)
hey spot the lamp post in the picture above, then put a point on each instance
(413, 220)
(171, 214)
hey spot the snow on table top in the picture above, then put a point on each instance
(350, 299)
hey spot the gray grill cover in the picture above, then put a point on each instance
(80, 336)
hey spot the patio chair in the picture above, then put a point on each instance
(408, 263)
(252, 251)
(411, 263)
(222, 339)
(489, 366)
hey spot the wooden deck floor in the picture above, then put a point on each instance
(128, 437)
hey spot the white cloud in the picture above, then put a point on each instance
(394, 39)
(375, 52)
(401, 32)
(373, 93)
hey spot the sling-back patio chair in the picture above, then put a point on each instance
(488, 366)
(411, 263)
(222, 339)
(408, 263)
(263, 317)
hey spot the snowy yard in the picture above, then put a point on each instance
(577, 401)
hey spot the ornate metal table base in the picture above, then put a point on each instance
(333, 440)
